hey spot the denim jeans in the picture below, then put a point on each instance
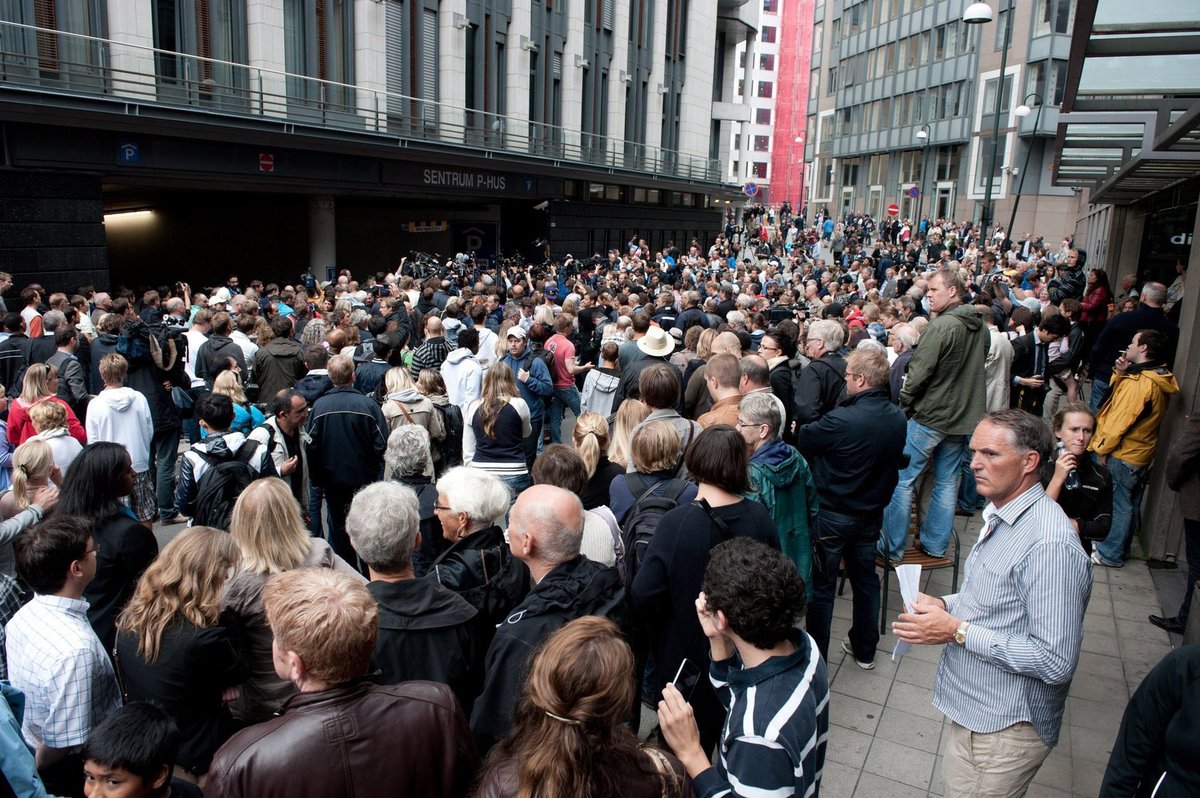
(968, 494)
(852, 538)
(925, 445)
(517, 484)
(563, 398)
(1100, 391)
(1127, 496)
(316, 497)
(338, 501)
(164, 449)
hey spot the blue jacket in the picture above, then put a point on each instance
(537, 387)
(348, 436)
(17, 766)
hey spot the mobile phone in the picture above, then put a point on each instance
(686, 678)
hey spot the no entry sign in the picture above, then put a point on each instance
(266, 162)
(893, 209)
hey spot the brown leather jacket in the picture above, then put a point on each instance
(342, 743)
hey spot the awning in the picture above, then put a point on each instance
(1130, 121)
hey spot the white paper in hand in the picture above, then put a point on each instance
(909, 577)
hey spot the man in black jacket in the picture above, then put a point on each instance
(347, 438)
(211, 359)
(1031, 363)
(426, 631)
(14, 352)
(545, 529)
(855, 452)
(822, 384)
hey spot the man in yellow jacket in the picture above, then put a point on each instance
(1127, 432)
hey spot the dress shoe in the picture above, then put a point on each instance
(1172, 625)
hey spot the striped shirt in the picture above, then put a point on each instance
(773, 742)
(1026, 587)
(57, 661)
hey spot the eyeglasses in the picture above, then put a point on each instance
(766, 348)
(748, 424)
(852, 374)
(441, 507)
(95, 548)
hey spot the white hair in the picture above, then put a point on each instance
(383, 523)
(829, 331)
(482, 496)
(735, 318)
(873, 345)
(407, 451)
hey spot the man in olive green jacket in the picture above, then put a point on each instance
(944, 397)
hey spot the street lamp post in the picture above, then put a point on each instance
(977, 14)
(1022, 110)
(923, 137)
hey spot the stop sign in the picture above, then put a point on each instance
(893, 209)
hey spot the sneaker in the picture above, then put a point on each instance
(866, 666)
(1172, 625)
(175, 519)
(1098, 560)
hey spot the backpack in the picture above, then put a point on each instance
(139, 342)
(450, 448)
(641, 520)
(547, 358)
(219, 486)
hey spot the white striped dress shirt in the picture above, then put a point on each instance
(1024, 592)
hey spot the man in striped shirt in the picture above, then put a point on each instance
(1013, 632)
(767, 673)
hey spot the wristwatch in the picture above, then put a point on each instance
(960, 634)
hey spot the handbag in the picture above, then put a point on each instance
(184, 401)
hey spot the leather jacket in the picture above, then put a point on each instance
(341, 743)
(480, 568)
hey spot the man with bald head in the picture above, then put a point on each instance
(696, 399)
(545, 527)
(433, 353)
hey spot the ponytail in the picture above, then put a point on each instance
(591, 439)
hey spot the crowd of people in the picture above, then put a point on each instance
(572, 529)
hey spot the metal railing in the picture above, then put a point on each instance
(74, 64)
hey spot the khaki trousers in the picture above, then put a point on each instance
(996, 765)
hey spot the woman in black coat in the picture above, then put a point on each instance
(174, 651)
(98, 479)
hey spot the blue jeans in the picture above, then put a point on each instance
(563, 398)
(1128, 484)
(925, 445)
(315, 497)
(854, 538)
(517, 484)
(164, 448)
(968, 494)
(1100, 392)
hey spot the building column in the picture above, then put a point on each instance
(322, 236)
(265, 48)
(1162, 525)
(129, 23)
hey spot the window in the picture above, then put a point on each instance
(878, 169)
(832, 85)
(1053, 16)
(818, 37)
(759, 169)
(766, 62)
(319, 43)
(947, 163)
(849, 174)
(1058, 69)
(987, 145)
(771, 6)
(939, 44)
(741, 87)
(765, 88)
(889, 59)
(768, 34)
(1003, 23)
(989, 96)
(814, 84)
(762, 116)
(762, 143)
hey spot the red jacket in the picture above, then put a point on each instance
(20, 427)
(1095, 305)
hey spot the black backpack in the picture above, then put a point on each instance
(219, 487)
(450, 448)
(641, 520)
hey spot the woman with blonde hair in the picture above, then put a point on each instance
(495, 427)
(570, 738)
(654, 454)
(245, 415)
(271, 538)
(175, 650)
(35, 478)
(404, 404)
(50, 421)
(591, 441)
(695, 390)
(40, 385)
(631, 413)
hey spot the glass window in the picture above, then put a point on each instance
(1002, 26)
(765, 88)
(1035, 82)
(939, 44)
(989, 96)
(832, 86)
(818, 37)
(595, 191)
(1053, 16)
(762, 116)
(1059, 69)
(947, 163)
(766, 62)
(759, 169)
(814, 84)
(987, 145)
(762, 143)
(771, 6)
(768, 34)
(889, 59)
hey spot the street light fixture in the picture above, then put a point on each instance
(923, 137)
(1023, 110)
(978, 14)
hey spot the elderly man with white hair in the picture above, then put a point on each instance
(902, 339)
(822, 383)
(545, 530)
(425, 630)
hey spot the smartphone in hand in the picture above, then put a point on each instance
(686, 678)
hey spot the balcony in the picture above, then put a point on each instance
(134, 80)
